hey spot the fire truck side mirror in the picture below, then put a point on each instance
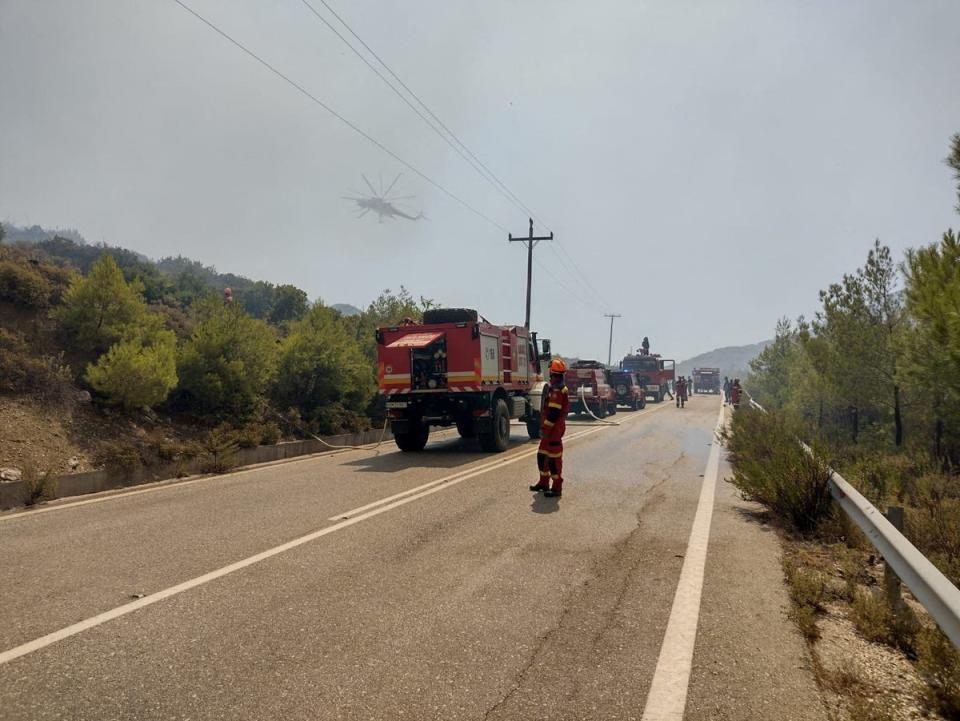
(378, 334)
(545, 346)
(475, 331)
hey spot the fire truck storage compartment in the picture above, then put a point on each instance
(428, 365)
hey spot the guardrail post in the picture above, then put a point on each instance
(891, 581)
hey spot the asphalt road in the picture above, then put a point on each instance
(381, 585)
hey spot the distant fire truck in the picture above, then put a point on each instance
(454, 369)
(706, 380)
(656, 372)
(587, 386)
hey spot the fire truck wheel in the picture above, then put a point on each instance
(533, 423)
(643, 402)
(635, 404)
(414, 439)
(601, 410)
(466, 428)
(498, 438)
(612, 409)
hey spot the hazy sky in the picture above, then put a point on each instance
(709, 166)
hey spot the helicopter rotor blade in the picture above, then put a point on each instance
(380, 175)
(387, 191)
(369, 185)
(400, 197)
(365, 211)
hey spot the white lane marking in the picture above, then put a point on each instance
(114, 613)
(450, 478)
(668, 692)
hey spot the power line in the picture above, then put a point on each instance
(339, 117)
(571, 265)
(490, 176)
(565, 287)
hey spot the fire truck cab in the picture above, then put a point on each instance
(456, 369)
(656, 372)
(706, 380)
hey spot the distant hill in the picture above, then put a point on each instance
(733, 361)
(36, 234)
(346, 309)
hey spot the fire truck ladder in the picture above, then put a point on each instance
(506, 357)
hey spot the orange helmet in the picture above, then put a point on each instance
(558, 366)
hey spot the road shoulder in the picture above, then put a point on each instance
(750, 661)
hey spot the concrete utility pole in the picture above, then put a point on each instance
(611, 316)
(530, 241)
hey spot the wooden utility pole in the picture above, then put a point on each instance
(611, 316)
(530, 241)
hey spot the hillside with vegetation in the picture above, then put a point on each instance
(109, 358)
(733, 361)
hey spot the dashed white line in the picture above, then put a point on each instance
(412, 495)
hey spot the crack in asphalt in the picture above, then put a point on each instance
(604, 568)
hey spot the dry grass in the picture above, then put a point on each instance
(40, 485)
(938, 662)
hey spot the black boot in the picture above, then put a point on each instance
(538, 488)
(553, 494)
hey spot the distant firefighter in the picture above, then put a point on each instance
(227, 296)
(645, 345)
(681, 390)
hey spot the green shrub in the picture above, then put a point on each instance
(100, 309)
(807, 588)
(770, 467)
(938, 662)
(872, 617)
(40, 485)
(228, 363)
(256, 434)
(270, 434)
(133, 374)
(46, 378)
(23, 285)
(806, 620)
(117, 455)
(324, 374)
(220, 450)
(808, 591)
(933, 521)
(249, 436)
(169, 449)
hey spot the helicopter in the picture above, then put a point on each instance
(379, 203)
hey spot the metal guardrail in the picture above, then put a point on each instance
(928, 585)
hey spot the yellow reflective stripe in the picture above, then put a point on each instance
(565, 392)
(551, 455)
(548, 423)
(554, 405)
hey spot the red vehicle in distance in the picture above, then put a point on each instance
(657, 373)
(588, 388)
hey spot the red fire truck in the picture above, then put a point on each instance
(457, 369)
(587, 385)
(657, 373)
(706, 380)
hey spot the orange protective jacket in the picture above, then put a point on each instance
(553, 416)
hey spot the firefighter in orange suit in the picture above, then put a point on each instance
(553, 423)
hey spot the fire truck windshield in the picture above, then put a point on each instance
(641, 364)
